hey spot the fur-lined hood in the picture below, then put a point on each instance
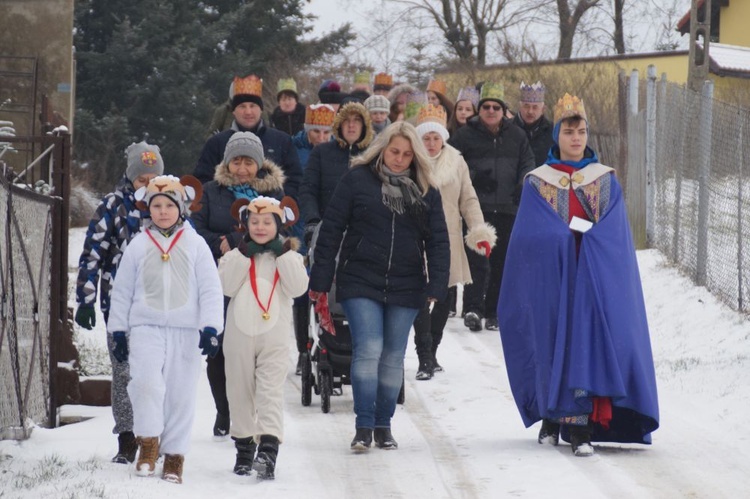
(347, 111)
(270, 177)
(400, 89)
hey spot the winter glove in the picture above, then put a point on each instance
(209, 343)
(121, 346)
(86, 317)
(309, 231)
(322, 310)
(486, 247)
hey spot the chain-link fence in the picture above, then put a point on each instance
(698, 189)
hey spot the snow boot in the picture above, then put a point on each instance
(300, 364)
(147, 456)
(490, 324)
(362, 440)
(580, 441)
(473, 321)
(245, 454)
(384, 439)
(127, 447)
(549, 433)
(425, 370)
(221, 426)
(265, 462)
(172, 471)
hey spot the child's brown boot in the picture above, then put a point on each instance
(172, 471)
(149, 452)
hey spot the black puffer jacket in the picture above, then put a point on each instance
(383, 253)
(539, 135)
(215, 218)
(329, 162)
(497, 163)
(289, 123)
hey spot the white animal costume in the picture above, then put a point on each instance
(166, 291)
(258, 332)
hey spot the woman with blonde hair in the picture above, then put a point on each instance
(393, 259)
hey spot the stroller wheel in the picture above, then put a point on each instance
(307, 381)
(326, 388)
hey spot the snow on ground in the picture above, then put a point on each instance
(459, 434)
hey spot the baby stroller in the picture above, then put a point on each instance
(327, 365)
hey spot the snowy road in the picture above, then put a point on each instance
(459, 434)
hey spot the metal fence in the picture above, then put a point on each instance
(33, 287)
(686, 154)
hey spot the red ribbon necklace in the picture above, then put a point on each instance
(165, 254)
(254, 285)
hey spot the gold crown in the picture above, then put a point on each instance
(362, 78)
(287, 84)
(435, 114)
(249, 85)
(383, 79)
(319, 115)
(437, 86)
(567, 106)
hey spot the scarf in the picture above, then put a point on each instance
(252, 248)
(589, 156)
(401, 194)
(243, 191)
(149, 224)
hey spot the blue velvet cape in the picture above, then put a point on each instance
(576, 328)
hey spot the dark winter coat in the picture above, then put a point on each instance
(497, 163)
(289, 123)
(304, 147)
(215, 218)
(329, 162)
(277, 147)
(383, 253)
(539, 135)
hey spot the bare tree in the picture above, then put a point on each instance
(568, 20)
(619, 34)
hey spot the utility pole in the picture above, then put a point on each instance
(700, 32)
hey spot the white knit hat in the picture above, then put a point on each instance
(431, 126)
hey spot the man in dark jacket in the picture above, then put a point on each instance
(530, 118)
(328, 162)
(289, 115)
(499, 156)
(277, 146)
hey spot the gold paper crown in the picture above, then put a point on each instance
(362, 78)
(567, 106)
(249, 85)
(319, 116)
(435, 114)
(287, 84)
(437, 86)
(384, 79)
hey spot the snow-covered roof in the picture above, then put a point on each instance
(729, 60)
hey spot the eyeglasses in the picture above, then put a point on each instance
(487, 107)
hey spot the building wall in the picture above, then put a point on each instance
(734, 19)
(41, 29)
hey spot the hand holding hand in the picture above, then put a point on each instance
(120, 351)
(209, 342)
(86, 317)
(486, 247)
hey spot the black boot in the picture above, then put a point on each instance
(580, 441)
(362, 439)
(384, 439)
(245, 455)
(549, 433)
(265, 462)
(425, 370)
(221, 426)
(127, 447)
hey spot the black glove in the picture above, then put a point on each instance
(86, 316)
(209, 342)
(309, 231)
(121, 346)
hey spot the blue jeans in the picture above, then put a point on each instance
(380, 333)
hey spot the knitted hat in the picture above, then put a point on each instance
(383, 81)
(319, 117)
(330, 92)
(286, 85)
(376, 103)
(532, 93)
(432, 119)
(244, 144)
(179, 190)
(143, 159)
(437, 86)
(492, 91)
(247, 89)
(470, 94)
(414, 102)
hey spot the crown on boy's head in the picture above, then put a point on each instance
(568, 106)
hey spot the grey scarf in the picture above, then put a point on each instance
(400, 193)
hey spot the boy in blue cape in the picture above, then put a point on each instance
(571, 312)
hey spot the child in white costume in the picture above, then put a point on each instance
(166, 301)
(262, 277)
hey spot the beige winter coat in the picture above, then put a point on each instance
(450, 175)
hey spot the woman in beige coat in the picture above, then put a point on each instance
(450, 175)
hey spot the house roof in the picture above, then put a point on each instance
(729, 60)
(683, 25)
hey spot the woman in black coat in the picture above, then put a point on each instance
(394, 235)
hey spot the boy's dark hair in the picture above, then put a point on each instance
(573, 121)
